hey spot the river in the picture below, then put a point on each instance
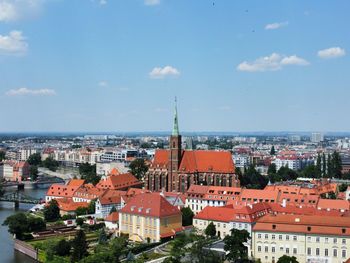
(7, 253)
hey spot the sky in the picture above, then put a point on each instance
(117, 65)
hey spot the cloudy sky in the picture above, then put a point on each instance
(116, 65)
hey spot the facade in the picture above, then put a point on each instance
(119, 182)
(317, 137)
(175, 170)
(105, 203)
(308, 238)
(200, 196)
(149, 216)
(15, 170)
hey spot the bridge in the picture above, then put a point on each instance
(17, 198)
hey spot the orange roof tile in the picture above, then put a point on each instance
(119, 181)
(113, 217)
(150, 204)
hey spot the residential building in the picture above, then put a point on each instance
(149, 216)
(317, 137)
(57, 191)
(119, 182)
(308, 238)
(15, 170)
(112, 221)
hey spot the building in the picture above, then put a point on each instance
(308, 238)
(15, 170)
(149, 216)
(106, 202)
(112, 221)
(24, 153)
(104, 168)
(57, 191)
(230, 217)
(176, 169)
(317, 137)
(347, 193)
(200, 196)
(119, 182)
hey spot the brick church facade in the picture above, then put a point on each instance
(174, 169)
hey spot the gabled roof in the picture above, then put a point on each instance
(198, 161)
(67, 190)
(150, 204)
(119, 181)
(333, 204)
(113, 217)
(68, 205)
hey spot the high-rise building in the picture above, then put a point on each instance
(317, 137)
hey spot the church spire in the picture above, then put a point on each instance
(176, 123)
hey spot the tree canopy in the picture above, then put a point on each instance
(187, 216)
(52, 211)
(34, 159)
(138, 168)
(287, 259)
(20, 224)
(210, 230)
(80, 246)
(234, 244)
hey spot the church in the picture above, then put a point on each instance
(175, 169)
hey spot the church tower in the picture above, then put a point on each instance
(174, 154)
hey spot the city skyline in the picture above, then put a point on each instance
(117, 66)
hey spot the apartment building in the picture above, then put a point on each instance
(310, 238)
(149, 216)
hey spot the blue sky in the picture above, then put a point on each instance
(116, 65)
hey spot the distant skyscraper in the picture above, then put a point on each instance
(316, 137)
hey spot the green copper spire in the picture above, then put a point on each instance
(176, 123)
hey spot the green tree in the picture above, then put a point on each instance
(35, 224)
(17, 224)
(34, 159)
(239, 174)
(88, 173)
(342, 187)
(324, 165)
(272, 169)
(102, 237)
(311, 171)
(138, 168)
(50, 164)
(113, 209)
(253, 179)
(81, 211)
(210, 230)
(80, 246)
(318, 166)
(234, 244)
(2, 156)
(272, 151)
(62, 248)
(79, 221)
(118, 248)
(187, 216)
(33, 171)
(91, 207)
(52, 211)
(287, 259)
(287, 174)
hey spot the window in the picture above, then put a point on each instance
(266, 249)
(273, 249)
(295, 251)
(317, 239)
(343, 241)
(273, 236)
(295, 238)
(259, 235)
(326, 240)
(259, 248)
(287, 237)
(334, 240)
(326, 252)
(317, 251)
(281, 248)
(287, 250)
(309, 251)
(266, 236)
(335, 253)
(343, 253)
(280, 237)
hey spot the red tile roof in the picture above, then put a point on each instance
(67, 190)
(198, 161)
(304, 224)
(67, 204)
(150, 204)
(117, 182)
(334, 204)
(113, 217)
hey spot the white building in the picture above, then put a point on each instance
(317, 137)
(241, 160)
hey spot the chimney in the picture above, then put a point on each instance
(284, 203)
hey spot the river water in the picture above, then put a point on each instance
(7, 253)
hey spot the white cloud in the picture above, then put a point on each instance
(271, 63)
(158, 72)
(26, 91)
(13, 43)
(12, 10)
(276, 25)
(294, 60)
(333, 52)
(152, 2)
(7, 11)
(103, 2)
